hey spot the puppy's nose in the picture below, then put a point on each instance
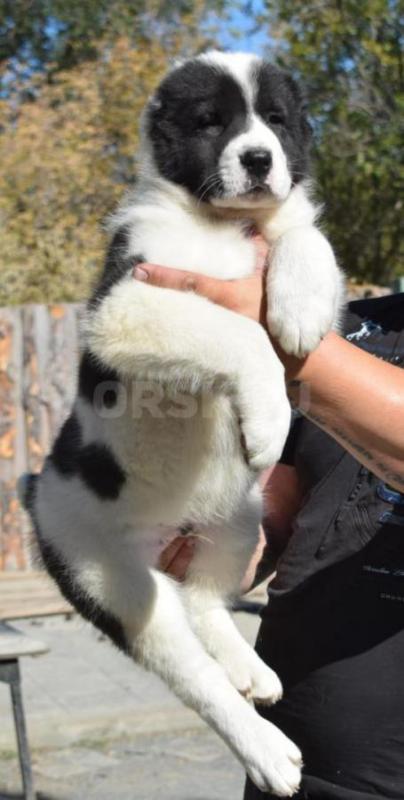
(257, 161)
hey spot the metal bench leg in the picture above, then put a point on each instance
(10, 673)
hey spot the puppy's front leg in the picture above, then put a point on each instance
(305, 290)
(185, 341)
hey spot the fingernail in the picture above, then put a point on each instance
(140, 274)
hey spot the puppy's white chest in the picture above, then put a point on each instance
(184, 241)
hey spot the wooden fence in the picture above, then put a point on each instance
(38, 367)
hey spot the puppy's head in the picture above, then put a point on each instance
(231, 129)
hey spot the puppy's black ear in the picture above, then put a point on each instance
(155, 103)
(305, 123)
(154, 113)
(301, 105)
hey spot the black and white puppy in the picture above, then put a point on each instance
(166, 379)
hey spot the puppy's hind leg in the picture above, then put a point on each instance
(215, 576)
(160, 638)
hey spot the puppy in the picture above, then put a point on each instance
(169, 384)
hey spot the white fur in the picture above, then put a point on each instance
(234, 176)
(191, 374)
(241, 66)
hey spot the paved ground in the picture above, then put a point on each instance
(195, 765)
(103, 729)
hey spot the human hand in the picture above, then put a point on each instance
(177, 556)
(246, 296)
(175, 559)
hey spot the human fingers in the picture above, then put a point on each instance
(182, 280)
(244, 296)
(177, 556)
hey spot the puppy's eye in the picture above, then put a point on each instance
(210, 123)
(274, 118)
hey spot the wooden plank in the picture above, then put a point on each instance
(30, 591)
(30, 595)
(26, 577)
(13, 611)
(63, 355)
(14, 644)
(36, 399)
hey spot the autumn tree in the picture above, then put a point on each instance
(74, 77)
(81, 72)
(348, 54)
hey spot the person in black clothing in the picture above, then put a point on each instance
(334, 625)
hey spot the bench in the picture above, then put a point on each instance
(24, 595)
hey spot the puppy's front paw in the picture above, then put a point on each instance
(276, 763)
(251, 677)
(304, 290)
(265, 438)
(299, 326)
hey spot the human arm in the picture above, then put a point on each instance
(355, 397)
(282, 497)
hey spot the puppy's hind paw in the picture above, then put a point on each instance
(277, 765)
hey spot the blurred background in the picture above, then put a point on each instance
(75, 75)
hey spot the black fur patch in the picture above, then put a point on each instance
(198, 110)
(280, 104)
(94, 463)
(117, 264)
(100, 471)
(92, 375)
(67, 446)
(76, 595)
(28, 499)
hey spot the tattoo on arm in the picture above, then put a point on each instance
(297, 390)
(388, 475)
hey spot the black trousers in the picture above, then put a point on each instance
(313, 789)
(345, 714)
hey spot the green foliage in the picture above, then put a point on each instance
(56, 34)
(348, 53)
